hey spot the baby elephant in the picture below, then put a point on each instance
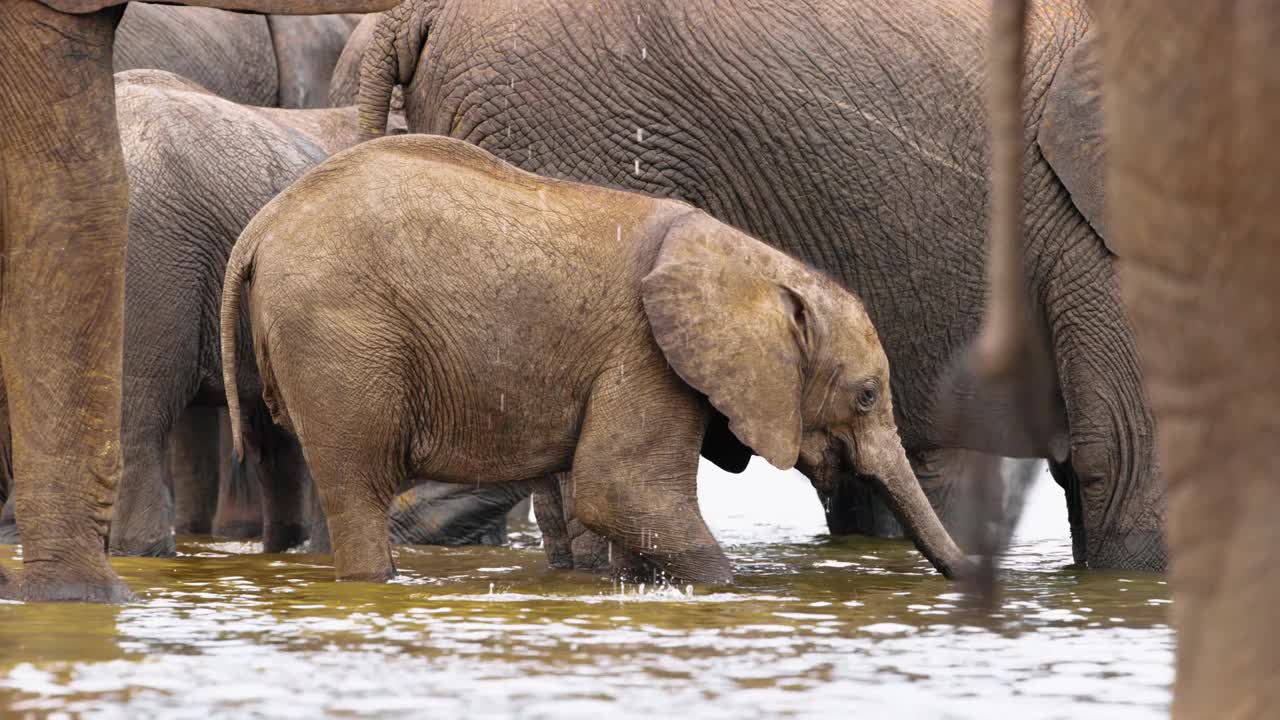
(422, 310)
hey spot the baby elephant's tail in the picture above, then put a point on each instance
(239, 270)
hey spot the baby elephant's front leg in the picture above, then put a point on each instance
(635, 474)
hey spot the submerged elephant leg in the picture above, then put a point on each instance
(194, 465)
(318, 532)
(239, 513)
(143, 521)
(1114, 478)
(356, 484)
(64, 218)
(637, 485)
(854, 508)
(568, 543)
(282, 475)
(548, 511)
(9, 534)
(590, 551)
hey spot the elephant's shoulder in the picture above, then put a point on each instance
(1070, 134)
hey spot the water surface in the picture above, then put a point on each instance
(814, 626)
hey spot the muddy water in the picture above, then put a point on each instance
(814, 627)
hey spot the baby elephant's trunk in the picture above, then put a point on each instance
(887, 462)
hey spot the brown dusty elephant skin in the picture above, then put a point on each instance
(835, 137)
(470, 320)
(1192, 99)
(63, 214)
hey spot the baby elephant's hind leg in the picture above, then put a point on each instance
(356, 486)
(635, 474)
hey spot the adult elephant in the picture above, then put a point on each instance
(273, 60)
(850, 134)
(1192, 94)
(190, 200)
(63, 224)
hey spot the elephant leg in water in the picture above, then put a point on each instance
(239, 513)
(63, 214)
(64, 201)
(276, 459)
(197, 464)
(945, 474)
(568, 543)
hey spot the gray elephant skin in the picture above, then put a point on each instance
(851, 135)
(268, 60)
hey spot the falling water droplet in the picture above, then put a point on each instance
(641, 590)
(639, 135)
(619, 233)
(688, 590)
(644, 53)
(490, 588)
(502, 402)
(637, 166)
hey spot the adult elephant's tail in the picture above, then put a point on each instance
(391, 59)
(239, 269)
(1006, 325)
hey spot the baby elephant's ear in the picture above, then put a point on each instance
(729, 329)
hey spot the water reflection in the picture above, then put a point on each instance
(814, 626)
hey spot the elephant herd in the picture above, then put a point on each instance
(551, 270)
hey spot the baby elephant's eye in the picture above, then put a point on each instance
(867, 397)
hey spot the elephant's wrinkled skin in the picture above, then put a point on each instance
(199, 168)
(847, 133)
(945, 475)
(63, 218)
(273, 61)
(468, 320)
(1192, 97)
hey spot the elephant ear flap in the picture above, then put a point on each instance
(729, 329)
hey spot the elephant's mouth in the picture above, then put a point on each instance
(826, 466)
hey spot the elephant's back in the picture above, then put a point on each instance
(203, 161)
(424, 195)
(484, 255)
